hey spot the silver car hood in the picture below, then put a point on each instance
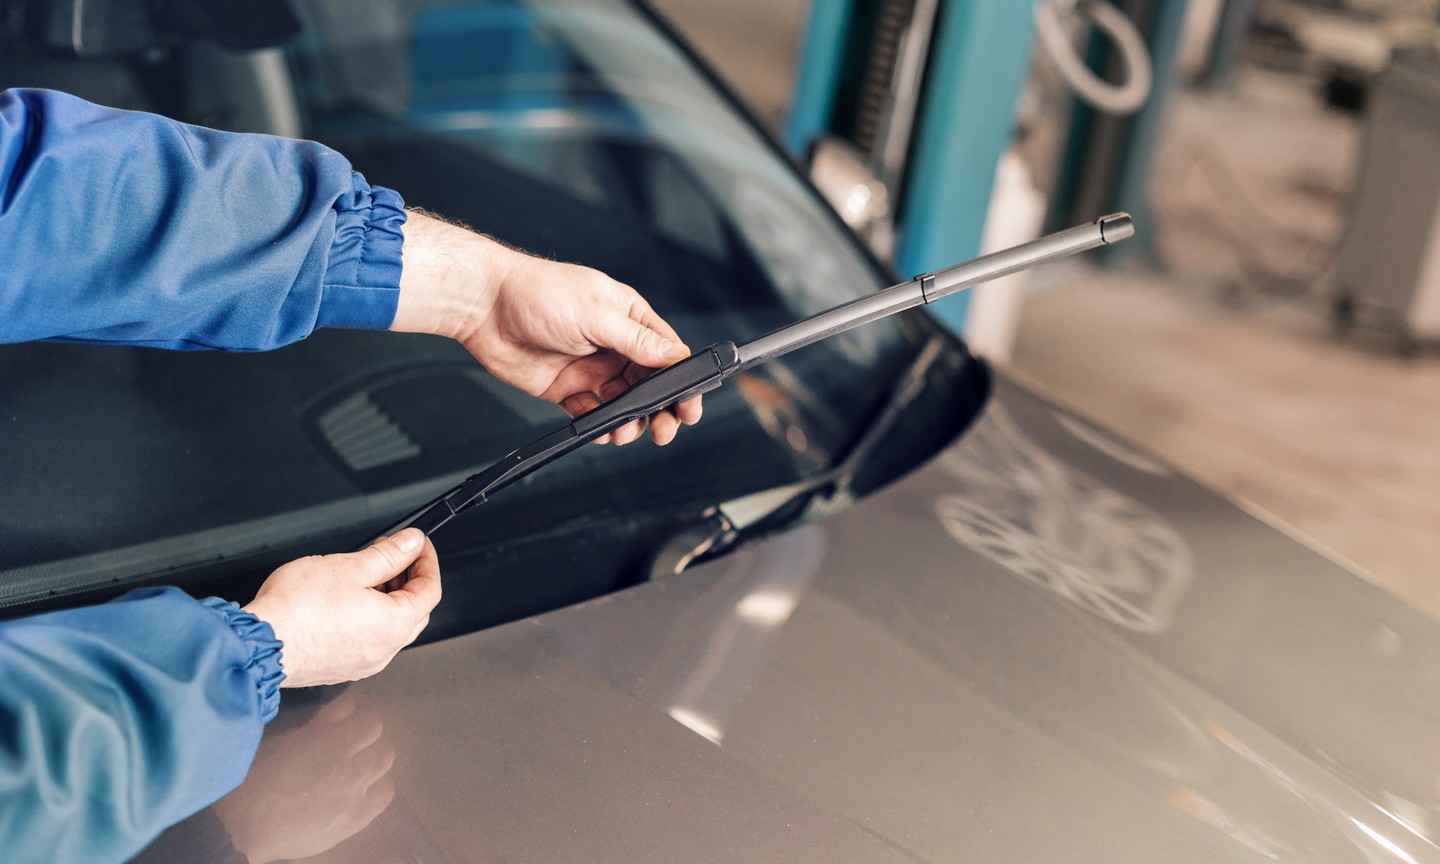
(1042, 646)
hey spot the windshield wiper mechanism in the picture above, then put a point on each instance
(707, 369)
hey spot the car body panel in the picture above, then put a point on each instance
(1039, 645)
(1042, 645)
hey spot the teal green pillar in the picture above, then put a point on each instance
(818, 77)
(977, 70)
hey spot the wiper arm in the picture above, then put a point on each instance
(722, 524)
(707, 369)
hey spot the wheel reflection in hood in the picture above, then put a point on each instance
(1058, 528)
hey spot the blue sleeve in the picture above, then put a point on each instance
(124, 227)
(119, 720)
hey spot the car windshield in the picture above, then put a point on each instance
(572, 128)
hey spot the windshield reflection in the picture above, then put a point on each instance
(575, 130)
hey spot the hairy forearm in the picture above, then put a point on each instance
(450, 276)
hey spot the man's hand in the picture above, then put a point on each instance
(562, 332)
(335, 622)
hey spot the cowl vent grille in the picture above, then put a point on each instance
(364, 436)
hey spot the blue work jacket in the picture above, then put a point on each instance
(120, 719)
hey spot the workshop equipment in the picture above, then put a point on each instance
(1388, 271)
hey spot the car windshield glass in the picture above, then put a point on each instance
(572, 128)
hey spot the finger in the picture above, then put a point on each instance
(663, 427)
(377, 799)
(634, 374)
(584, 375)
(418, 629)
(631, 431)
(640, 310)
(638, 342)
(582, 403)
(361, 735)
(689, 411)
(636, 428)
(421, 592)
(377, 763)
(612, 388)
(385, 559)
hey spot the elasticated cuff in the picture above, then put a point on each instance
(362, 279)
(264, 663)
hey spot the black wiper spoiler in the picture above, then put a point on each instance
(707, 369)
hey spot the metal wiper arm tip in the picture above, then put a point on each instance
(1116, 227)
(933, 286)
(1104, 231)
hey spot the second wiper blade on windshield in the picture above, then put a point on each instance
(707, 369)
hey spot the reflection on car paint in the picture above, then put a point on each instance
(1099, 708)
(321, 775)
(1195, 804)
(704, 691)
(1110, 446)
(1061, 529)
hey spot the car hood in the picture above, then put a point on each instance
(1043, 645)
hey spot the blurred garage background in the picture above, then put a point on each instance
(1273, 333)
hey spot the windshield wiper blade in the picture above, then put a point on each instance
(707, 369)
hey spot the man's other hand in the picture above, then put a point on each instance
(335, 618)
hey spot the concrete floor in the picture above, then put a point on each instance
(1262, 405)
(1193, 356)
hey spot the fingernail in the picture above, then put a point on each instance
(409, 540)
(671, 348)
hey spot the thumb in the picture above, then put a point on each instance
(386, 558)
(638, 343)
